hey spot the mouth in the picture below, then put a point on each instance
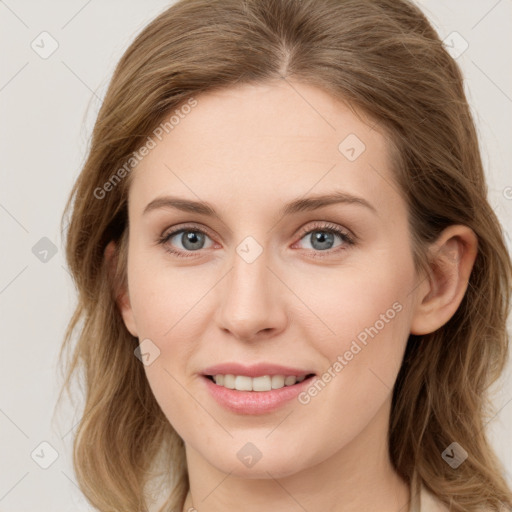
(257, 384)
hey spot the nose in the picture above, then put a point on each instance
(251, 301)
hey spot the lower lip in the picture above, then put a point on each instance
(254, 402)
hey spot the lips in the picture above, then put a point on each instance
(253, 402)
(256, 370)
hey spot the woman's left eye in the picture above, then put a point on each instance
(321, 239)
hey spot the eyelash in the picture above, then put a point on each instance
(321, 226)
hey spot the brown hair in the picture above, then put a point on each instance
(382, 57)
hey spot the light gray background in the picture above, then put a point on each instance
(47, 109)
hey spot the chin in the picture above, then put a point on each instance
(276, 465)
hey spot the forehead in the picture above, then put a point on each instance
(260, 144)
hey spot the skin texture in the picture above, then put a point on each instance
(247, 151)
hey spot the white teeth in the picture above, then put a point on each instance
(229, 381)
(277, 381)
(243, 383)
(263, 383)
(290, 381)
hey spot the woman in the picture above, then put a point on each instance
(292, 289)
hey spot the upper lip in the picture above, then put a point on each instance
(255, 370)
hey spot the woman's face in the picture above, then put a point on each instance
(266, 280)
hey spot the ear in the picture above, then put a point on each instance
(451, 258)
(122, 296)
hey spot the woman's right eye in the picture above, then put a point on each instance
(191, 240)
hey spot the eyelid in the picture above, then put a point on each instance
(185, 227)
(324, 225)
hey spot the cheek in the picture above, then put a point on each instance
(368, 314)
(163, 297)
(371, 320)
(367, 300)
(166, 307)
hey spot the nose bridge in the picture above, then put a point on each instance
(249, 299)
(248, 284)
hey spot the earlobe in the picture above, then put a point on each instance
(452, 257)
(122, 294)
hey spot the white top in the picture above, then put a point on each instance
(428, 503)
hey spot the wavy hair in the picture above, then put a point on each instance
(383, 58)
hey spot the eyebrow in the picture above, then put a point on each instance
(298, 205)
